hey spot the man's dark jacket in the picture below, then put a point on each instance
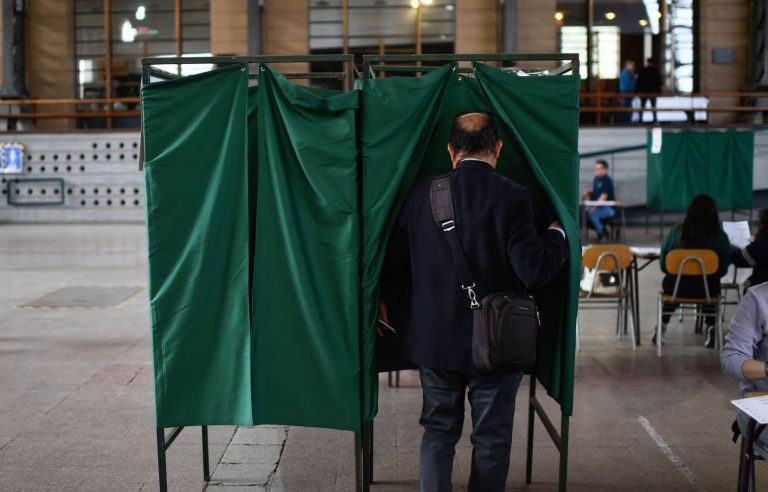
(648, 80)
(494, 218)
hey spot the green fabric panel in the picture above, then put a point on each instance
(546, 131)
(405, 129)
(306, 338)
(197, 233)
(253, 175)
(718, 163)
(399, 115)
(731, 158)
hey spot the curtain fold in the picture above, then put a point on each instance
(306, 351)
(197, 236)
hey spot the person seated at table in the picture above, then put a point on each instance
(745, 351)
(699, 230)
(602, 191)
(755, 255)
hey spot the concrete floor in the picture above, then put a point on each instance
(76, 397)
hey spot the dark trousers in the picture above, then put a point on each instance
(625, 117)
(492, 399)
(642, 105)
(691, 287)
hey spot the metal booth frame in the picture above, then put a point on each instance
(414, 64)
(372, 64)
(363, 439)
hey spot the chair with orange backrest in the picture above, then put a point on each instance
(691, 263)
(615, 260)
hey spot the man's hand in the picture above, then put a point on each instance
(382, 316)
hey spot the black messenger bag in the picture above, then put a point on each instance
(505, 324)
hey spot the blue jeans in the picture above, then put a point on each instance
(596, 215)
(492, 399)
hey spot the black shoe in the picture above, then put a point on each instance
(663, 331)
(602, 239)
(710, 343)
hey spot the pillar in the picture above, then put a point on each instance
(50, 55)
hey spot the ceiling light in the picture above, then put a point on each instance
(658, 14)
(449, 7)
(610, 15)
(415, 4)
(426, 2)
(643, 22)
(127, 33)
(559, 16)
(141, 12)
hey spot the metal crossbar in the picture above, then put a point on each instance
(373, 64)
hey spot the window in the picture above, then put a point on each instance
(605, 45)
(139, 29)
(377, 24)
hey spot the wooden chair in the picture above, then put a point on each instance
(615, 259)
(691, 263)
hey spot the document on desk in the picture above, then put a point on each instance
(738, 233)
(757, 408)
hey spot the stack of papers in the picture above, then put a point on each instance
(738, 233)
(757, 408)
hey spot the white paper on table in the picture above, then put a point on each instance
(656, 140)
(757, 408)
(646, 250)
(738, 233)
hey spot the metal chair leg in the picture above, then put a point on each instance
(718, 329)
(578, 335)
(659, 328)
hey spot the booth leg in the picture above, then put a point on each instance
(206, 467)
(368, 452)
(162, 477)
(531, 417)
(360, 467)
(563, 479)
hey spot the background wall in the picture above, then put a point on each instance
(724, 24)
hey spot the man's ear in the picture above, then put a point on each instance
(499, 144)
(452, 152)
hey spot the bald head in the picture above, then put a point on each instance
(474, 135)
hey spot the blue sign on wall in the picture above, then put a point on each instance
(12, 161)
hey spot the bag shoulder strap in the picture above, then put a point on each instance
(441, 201)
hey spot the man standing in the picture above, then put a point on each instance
(602, 191)
(494, 220)
(648, 82)
(627, 86)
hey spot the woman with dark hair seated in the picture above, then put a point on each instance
(700, 230)
(755, 255)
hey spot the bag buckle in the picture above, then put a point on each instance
(449, 226)
(473, 304)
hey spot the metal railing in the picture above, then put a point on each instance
(605, 106)
(609, 104)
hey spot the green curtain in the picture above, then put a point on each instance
(306, 283)
(405, 128)
(716, 162)
(197, 234)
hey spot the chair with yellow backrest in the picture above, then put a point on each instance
(691, 263)
(611, 259)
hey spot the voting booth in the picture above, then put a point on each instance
(685, 163)
(269, 206)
